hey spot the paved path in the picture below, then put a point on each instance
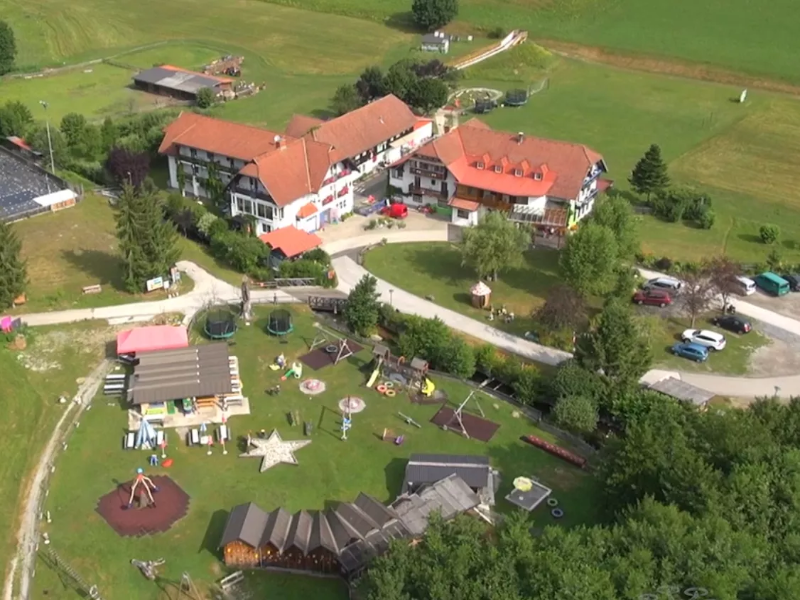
(349, 273)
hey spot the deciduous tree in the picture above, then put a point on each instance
(433, 14)
(589, 259)
(128, 167)
(428, 94)
(495, 244)
(205, 97)
(361, 312)
(650, 173)
(371, 84)
(345, 99)
(769, 233)
(563, 307)
(615, 347)
(722, 271)
(13, 269)
(15, 119)
(8, 48)
(615, 212)
(576, 413)
(697, 293)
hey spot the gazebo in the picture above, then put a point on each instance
(481, 295)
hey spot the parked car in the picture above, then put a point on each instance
(748, 286)
(703, 337)
(691, 351)
(794, 282)
(772, 284)
(654, 297)
(395, 211)
(663, 283)
(733, 323)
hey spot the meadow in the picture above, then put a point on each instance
(330, 469)
(725, 34)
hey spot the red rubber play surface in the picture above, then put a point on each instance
(172, 504)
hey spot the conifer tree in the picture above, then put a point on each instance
(650, 173)
(146, 240)
(13, 271)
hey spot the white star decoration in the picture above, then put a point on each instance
(274, 450)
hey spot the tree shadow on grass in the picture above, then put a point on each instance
(394, 472)
(214, 532)
(323, 113)
(100, 267)
(404, 22)
(749, 237)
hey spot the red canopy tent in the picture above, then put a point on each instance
(156, 337)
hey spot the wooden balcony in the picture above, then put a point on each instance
(415, 189)
(429, 174)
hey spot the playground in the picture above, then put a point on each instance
(299, 477)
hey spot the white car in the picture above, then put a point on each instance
(664, 283)
(748, 285)
(710, 339)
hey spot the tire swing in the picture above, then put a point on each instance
(381, 389)
(552, 502)
(390, 393)
(557, 513)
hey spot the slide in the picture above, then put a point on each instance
(373, 377)
(428, 388)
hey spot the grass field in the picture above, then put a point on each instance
(720, 33)
(435, 269)
(31, 382)
(329, 470)
(71, 249)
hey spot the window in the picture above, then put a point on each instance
(239, 205)
(517, 172)
(248, 207)
(537, 176)
(462, 214)
(480, 164)
(211, 156)
(194, 153)
(506, 198)
(486, 193)
(398, 172)
(261, 210)
(498, 168)
(433, 182)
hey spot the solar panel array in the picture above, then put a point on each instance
(20, 184)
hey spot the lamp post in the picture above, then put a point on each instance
(391, 297)
(45, 105)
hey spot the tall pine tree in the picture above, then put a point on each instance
(13, 272)
(146, 240)
(650, 173)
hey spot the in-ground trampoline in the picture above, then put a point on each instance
(220, 324)
(280, 322)
(516, 97)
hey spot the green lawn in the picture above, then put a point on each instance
(435, 269)
(31, 382)
(733, 360)
(719, 33)
(330, 469)
(70, 249)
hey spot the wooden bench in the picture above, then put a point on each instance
(92, 289)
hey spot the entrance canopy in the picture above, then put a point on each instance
(156, 337)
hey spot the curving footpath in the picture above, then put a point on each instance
(208, 289)
(349, 273)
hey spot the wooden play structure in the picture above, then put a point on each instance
(332, 344)
(456, 421)
(555, 450)
(386, 364)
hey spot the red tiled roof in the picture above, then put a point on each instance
(18, 142)
(291, 241)
(300, 125)
(561, 166)
(421, 123)
(463, 204)
(307, 210)
(220, 137)
(603, 185)
(366, 127)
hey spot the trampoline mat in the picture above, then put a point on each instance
(477, 428)
(318, 358)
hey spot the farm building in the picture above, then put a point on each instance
(337, 540)
(167, 80)
(27, 190)
(290, 242)
(436, 42)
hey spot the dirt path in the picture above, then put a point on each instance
(28, 534)
(667, 66)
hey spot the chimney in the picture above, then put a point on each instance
(520, 137)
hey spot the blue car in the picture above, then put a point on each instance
(691, 351)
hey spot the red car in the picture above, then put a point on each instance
(395, 211)
(653, 297)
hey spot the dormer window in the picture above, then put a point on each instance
(498, 168)
(517, 172)
(480, 164)
(537, 176)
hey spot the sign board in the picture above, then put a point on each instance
(155, 284)
(175, 274)
(743, 97)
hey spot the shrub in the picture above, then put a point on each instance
(663, 264)
(528, 386)
(497, 33)
(769, 233)
(573, 380)
(205, 97)
(707, 218)
(486, 358)
(318, 255)
(244, 253)
(456, 357)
